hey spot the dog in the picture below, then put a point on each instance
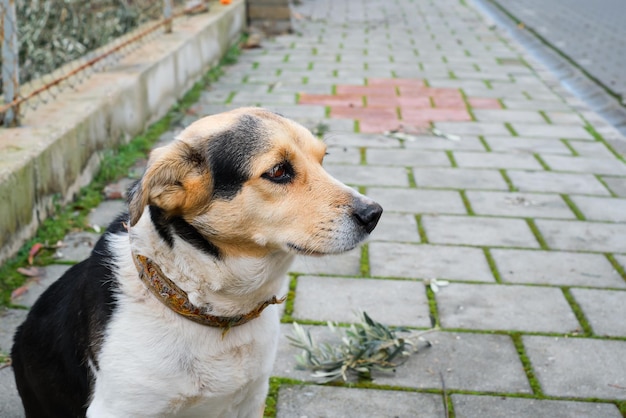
(174, 313)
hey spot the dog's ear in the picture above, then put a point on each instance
(176, 180)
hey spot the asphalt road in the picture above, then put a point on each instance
(590, 35)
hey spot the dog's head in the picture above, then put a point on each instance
(249, 182)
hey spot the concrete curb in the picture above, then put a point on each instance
(57, 150)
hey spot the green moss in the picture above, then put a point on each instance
(617, 266)
(451, 158)
(466, 203)
(365, 260)
(601, 180)
(508, 181)
(580, 315)
(432, 307)
(485, 143)
(545, 116)
(570, 147)
(510, 128)
(492, 265)
(357, 126)
(543, 164)
(528, 368)
(420, 229)
(411, 177)
(579, 215)
(537, 234)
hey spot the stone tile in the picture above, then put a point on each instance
(342, 155)
(417, 200)
(440, 143)
(346, 264)
(524, 205)
(578, 367)
(34, 288)
(601, 208)
(516, 144)
(583, 236)
(350, 139)
(472, 230)
(604, 309)
(393, 302)
(564, 118)
(300, 111)
(368, 175)
(472, 128)
(556, 268)
(616, 184)
(496, 160)
(591, 149)
(468, 362)
(550, 182)
(77, 246)
(399, 227)
(459, 178)
(428, 261)
(313, 401)
(106, 212)
(498, 307)
(507, 115)
(10, 319)
(11, 405)
(407, 157)
(552, 131)
(535, 104)
(585, 164)
(469, 406)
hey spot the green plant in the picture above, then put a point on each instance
(364, 347)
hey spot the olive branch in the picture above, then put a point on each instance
(364, 347)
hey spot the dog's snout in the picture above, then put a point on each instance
(367, 213)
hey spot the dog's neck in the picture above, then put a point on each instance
(228, 286)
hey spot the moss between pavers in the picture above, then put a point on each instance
(579, 215)
(592, 131)
(365, 261)
(578, 312)
(537, 234)
(115, 164)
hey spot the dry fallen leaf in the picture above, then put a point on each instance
(33, 252)
(29, 271)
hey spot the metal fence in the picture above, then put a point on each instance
(49, 45)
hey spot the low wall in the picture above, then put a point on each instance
(57, 149)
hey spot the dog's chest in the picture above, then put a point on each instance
(178, 368)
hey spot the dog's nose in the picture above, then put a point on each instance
(367, 213)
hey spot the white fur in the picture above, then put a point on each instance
(154, 362)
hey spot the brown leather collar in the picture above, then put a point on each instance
(176, 299)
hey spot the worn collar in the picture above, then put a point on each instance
(177, 300)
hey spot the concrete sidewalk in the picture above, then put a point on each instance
(514, 197)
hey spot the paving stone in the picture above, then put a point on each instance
(352, 139)
(469, 406)
(11, 405)
(472, 128)
(467, 361)
(369, 175)
(527, 145)
(505, 115)
(10, 319)
(585, 164)
(524, 205)
(399, 227)
(552, 131)
(459, 178)
(393, 302)
(591, 149)
(342, 155)
(77, 246)
(496, 160)
(535, 104)
(35, 287)
(407, 157)
(106, 212)
(564, 118)
(550, 182)
(498, 307)
(604, 309)
(417, 200)
(556, 268)
(428, 261)
(472, 230)
(621, 259)
(578, 367)
(601, 208)
(616, 184)
(346, 264)
(321, 401)
(583, 236)
(440, 143)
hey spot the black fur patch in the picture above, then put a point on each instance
(230, 153)
(167, 227)
(63, 334)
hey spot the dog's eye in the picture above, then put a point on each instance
(280, 173)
